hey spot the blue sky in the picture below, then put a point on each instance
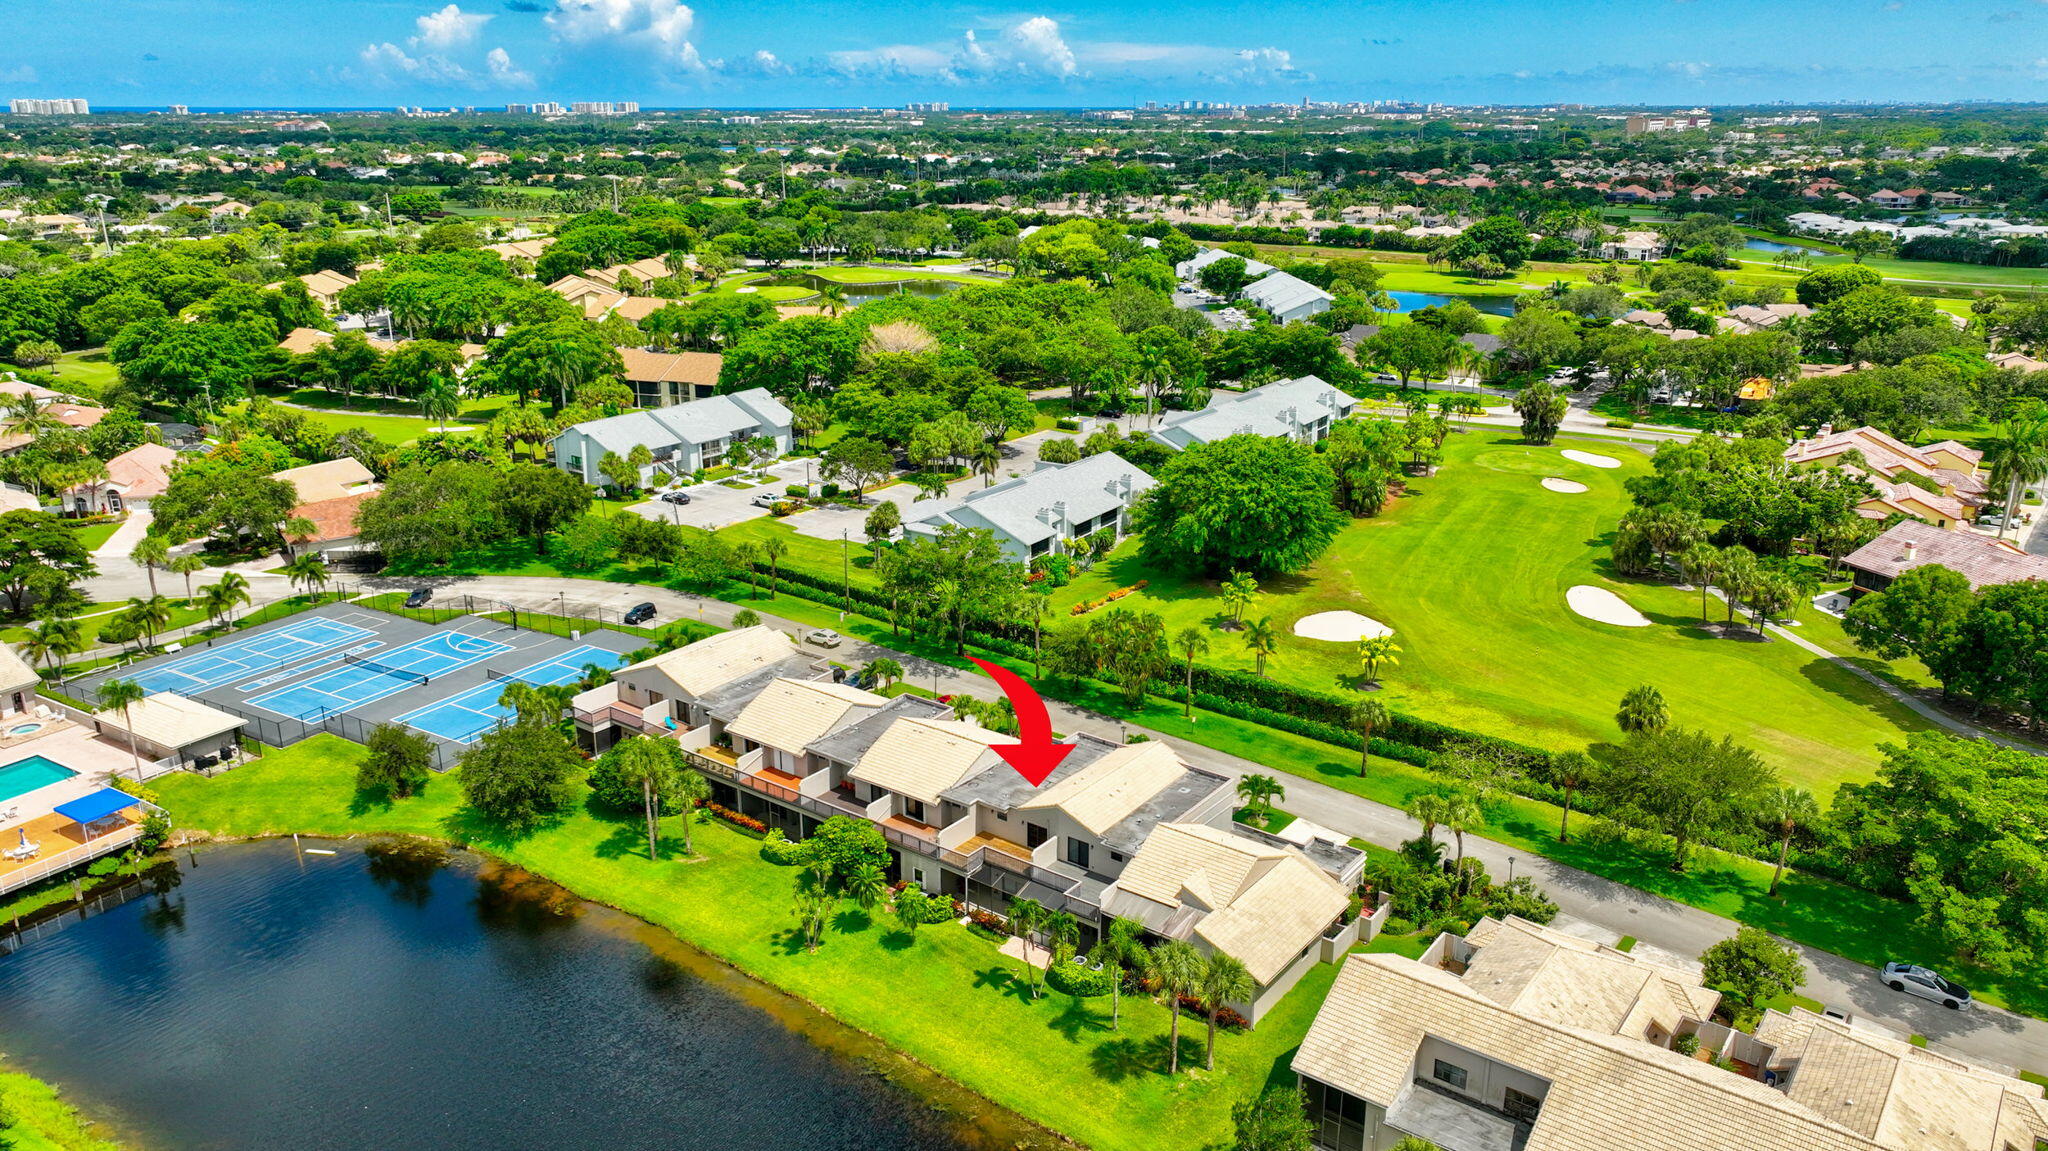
(1087, 52)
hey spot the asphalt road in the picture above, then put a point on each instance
(1988, 1035)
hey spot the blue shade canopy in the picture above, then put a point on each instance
(97, 806)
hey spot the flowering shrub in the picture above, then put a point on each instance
(735, 818)
(1225, 1018)
(1088, 605)
(989, 921)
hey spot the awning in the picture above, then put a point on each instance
(87, 809)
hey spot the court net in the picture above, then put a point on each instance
(384, 669)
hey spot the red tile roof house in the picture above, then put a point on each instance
(134, 478)
(1941, 484)
(1909, 544)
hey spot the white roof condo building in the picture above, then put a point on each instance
(683, 437)
(1031, 514)
(1288, 297)
(1300, 409)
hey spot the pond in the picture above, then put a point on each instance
(397, 995)
(1756, 245)
(858, 294)
(1416, 301)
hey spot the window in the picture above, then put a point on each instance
(1116, 856)
(1521, 1105)
(1449, 1073)
(1077, 852)
(917, 876)
(114, 502)
(1034, 835)
(913, 809)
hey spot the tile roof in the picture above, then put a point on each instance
(1281, 293)
(15, 673)
(1258, 903)
(328, 479)
(333, 519)
(791, 714)
(849, 743)
(1104, 793)
(168, 720)
(142, 471)
(1910, 544)
(920, 758)
(682, 367)
(717, 660)
(696, 422)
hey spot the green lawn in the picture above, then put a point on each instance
(86, 371)
(1471, 568)
(845, 275)
(95, 536)
(945, 997)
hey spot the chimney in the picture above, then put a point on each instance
(1912, 549)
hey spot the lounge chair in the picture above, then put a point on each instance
(25, 851)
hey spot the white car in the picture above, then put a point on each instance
(1926, 983)
(822, 637)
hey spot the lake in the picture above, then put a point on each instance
(1415, 301)
(1756, 245)
(397, 995)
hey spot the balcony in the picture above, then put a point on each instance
(770, 782)
(911, 835)
(713, 761)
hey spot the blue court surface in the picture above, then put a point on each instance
(463, 717)
(214, 666)
(351, 685)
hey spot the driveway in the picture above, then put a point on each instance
(713, 505)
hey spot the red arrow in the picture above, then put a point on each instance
(1038, 755)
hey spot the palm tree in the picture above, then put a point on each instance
(1569, 771)
(1262, 640)
(1223, 980)
(1368, 716)
(1192, 641)
(866, 886)
(1700, 565)
(929, 485)
(692, 790)
(1785, 811)
(2018, 456)
(832, 298)
(1460, 812)
(440, 401)
(222, 597)
(308, 569)
(187, 565)
(1738, 573)
(152, 552)
(1375, 650)
(1063, 931)
(1427, 809)
(1259, 792)
(640, 758)
(1179, 969)
(774, 548)
(813, 904)
(1118, 949)
(150, 617)
(1026, 917)
(986, 457)
(1642, 711)
(54, 638)
(124, 694)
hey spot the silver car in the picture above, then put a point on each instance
(1926, 983)
(822, 637)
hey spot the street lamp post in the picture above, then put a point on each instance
(1511, 869)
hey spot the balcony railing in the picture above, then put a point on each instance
(911, 841)
(768, 787)
(71, 857)
(719, 768)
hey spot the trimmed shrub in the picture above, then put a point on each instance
(1067, 425)
(1079, 980)
(777, 849)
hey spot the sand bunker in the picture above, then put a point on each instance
(1568, 487)
(1340, 626)
(1603, 606)
(1589, 459)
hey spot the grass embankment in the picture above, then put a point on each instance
(944, 997)
(42, 1121)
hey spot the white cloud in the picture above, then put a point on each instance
(504, 73)
(663, 26)
(1264, 66)
(390, 61)
(767, 64)
(1031, 47)
(448, 28)
(1692, 69)
(20, 74)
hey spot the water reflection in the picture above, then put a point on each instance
(398, 995)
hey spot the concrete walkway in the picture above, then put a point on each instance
(1985, 1034)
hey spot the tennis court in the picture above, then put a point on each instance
(359, 680)
(461, 718)
(294, 641)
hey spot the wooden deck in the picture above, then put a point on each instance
(56, 834)
(781, 777)
(911, 827)
(994, 843)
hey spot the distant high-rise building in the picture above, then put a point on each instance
(1643, 122)
(604, 107)
(547, 108)
(180, 110)
(928, 107)
(64, 107)
(518, 109)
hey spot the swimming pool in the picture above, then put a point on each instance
(23, 776)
